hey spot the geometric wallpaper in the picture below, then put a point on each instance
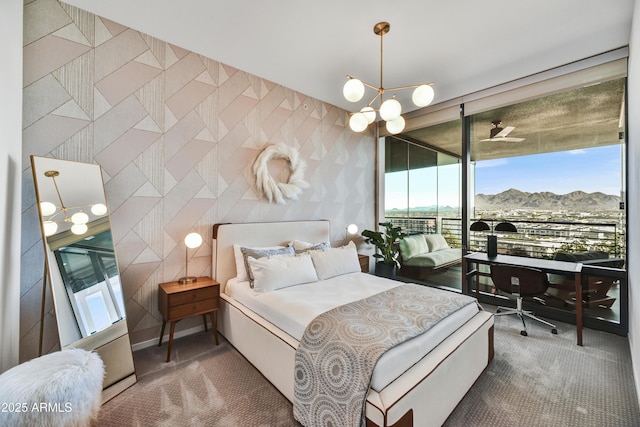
(176, 135)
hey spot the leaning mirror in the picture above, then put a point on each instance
(81, 265)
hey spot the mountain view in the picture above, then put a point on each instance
(576, 200)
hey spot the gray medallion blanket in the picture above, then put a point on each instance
(335, 360)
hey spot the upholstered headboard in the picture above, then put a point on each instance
(257, 234)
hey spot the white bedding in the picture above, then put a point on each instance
(291, 309)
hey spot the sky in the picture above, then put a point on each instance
(588, 170)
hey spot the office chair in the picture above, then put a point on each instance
(521, 282)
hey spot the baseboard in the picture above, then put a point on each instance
(165, 339)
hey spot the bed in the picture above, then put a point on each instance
(420, 391)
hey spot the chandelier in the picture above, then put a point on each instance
(390, 109)
(53, 214)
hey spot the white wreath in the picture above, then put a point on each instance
(278, 191)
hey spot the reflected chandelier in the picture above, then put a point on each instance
(50, 212)
(390, 109)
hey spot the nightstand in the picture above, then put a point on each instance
(364, 263)
(177, 301)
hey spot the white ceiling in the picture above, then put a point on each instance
(462, 46)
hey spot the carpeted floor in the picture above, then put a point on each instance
(539, 380)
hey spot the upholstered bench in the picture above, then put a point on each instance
(58, 389)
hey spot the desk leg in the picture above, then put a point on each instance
(578, 284)
(214, 326)
(171, 331)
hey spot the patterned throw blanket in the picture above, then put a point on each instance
(339, 349)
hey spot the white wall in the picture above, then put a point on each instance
(634, 194)
(10, 178)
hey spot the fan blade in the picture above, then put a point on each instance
(504, 132)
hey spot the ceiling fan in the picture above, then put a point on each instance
(500, 134)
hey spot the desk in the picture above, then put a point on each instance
(546, 265)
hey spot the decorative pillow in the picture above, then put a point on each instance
(436, 242)
(281, 271)
(413, 245)
(302, 246)
(241, 263)
(336, 261)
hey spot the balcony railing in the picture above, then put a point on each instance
(535, 239)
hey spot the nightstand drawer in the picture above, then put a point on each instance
(193, 295)
(191, 309)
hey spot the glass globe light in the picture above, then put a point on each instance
(98, 209)
(352, 229)
(193, 240)
(358, 122)
(79, 218)
(50, 228)
(369, 113)
(396, 125)
(47, 208)
(353, 90)
(423, 95)
(390, 109)
(79, 228)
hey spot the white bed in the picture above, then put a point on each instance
(408, 387)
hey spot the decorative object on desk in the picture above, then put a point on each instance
(350, 231)
(390, 109)
(192, 240)
(280, 191)
(492, 240)
(52, 214)
(387, 244)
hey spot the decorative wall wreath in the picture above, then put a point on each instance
(279, 191)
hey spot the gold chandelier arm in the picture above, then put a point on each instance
(379, 94)
(408, 87)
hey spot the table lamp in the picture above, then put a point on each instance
(191, 240)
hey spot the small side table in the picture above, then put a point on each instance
(364, 262)
(177, 301)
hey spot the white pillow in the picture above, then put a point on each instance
(241, 266)
(436, 242)
(302, 246)
(336, 261)
(281, 271)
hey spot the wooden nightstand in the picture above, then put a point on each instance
(177, 301)
(364, 262)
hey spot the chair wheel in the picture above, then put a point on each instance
(498, 311)
(554, 331)
(523, 333)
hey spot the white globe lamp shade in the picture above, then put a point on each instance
(353, 90)
(352, 229)
(193, 240)
(50, 228)
(369, 113)
(98, 209)
(390, 109)
(47, 208)
(79, 228)
(79, 218)
(423, 95)
(358, 122)
(396, 125)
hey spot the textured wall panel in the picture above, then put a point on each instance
(176, 135)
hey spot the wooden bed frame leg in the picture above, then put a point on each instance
(405, 421)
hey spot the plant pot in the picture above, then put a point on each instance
(385, 270)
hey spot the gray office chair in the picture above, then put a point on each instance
(521, 282)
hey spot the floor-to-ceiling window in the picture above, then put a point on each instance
(548, 158)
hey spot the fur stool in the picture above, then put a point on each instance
(58, 389)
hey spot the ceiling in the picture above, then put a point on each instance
(461, 46)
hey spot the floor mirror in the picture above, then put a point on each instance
(81, 266)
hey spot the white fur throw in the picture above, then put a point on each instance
(58, 389)
(279, 191)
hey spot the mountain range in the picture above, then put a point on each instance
(576, 200)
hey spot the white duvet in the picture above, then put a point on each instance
(291, 309)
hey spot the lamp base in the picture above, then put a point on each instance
(492, 246)
(187, 280)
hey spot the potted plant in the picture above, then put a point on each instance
(387, 252)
